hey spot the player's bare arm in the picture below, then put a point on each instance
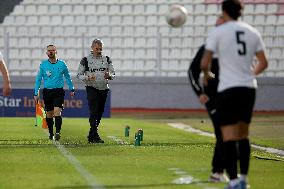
(262, 63)
(205, 66)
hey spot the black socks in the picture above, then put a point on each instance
(244, 155)
(235, 150)
(58, 123)
(50, 123)
(231, 158)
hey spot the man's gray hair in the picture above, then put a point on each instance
(97, 41)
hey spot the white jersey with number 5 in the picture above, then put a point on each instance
(236, 44)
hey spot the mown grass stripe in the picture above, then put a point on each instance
(78, 166)
(197, 131)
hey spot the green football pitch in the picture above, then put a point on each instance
(167, 158)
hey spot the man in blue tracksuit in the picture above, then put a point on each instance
(51, 71)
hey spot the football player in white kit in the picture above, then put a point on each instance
(236, 44)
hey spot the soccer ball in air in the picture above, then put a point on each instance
(176, 16)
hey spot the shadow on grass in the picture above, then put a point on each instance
(135, 185)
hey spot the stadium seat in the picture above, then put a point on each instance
(128, 30)
(152, 20)
(81, 30)
(116, 53)
(93, 30)
(101, 9)
(249, 9)
(34, 30)
(90, 9)
(140, 30)
(151, 42)
(19, 10)
(115, 20)
(58, 30)
(268, 30)
(151, 9)
(271, 20)
(35, 42)
(199, 9)
(24, 53)
(260, 9)
(139, 53)
(54, 9)
(25, 65)
(56, 20)
(14, 64)
(44, 20)
(23, 42)
(8, 20)
(275, 53)
(68, 20)
(66, 9)
(128, 20)
(13, 42)
(249, 19)
(280, 20)
(46, 31)
(186, 54)
(23, 30)
(116, 30)
(165, 53)
(91, 20)
(212, 9)
(199, 20)
(126, 9)
(268, 40)
(114, 9)
(140, 19)
(151, 53)
(29, 9)
(140, 42)
(128, 42)
(212, 1)
(103, 20)
(42, 9)
(80, 20)
(271, 8)
(281, 10)
(259, 20)
(78, 9)
(20, 20)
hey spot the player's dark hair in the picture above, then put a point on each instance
(233, 8)
(97, 41)
(50, 46)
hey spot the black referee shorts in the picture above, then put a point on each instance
(53, 98)
(234, 105)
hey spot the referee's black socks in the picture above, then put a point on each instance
(58, 123)
(49, 122)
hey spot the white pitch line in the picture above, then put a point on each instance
(118, 140)
(197, 131)
(78, 166)
(185, 178)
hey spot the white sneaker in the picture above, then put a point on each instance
(218, 177)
